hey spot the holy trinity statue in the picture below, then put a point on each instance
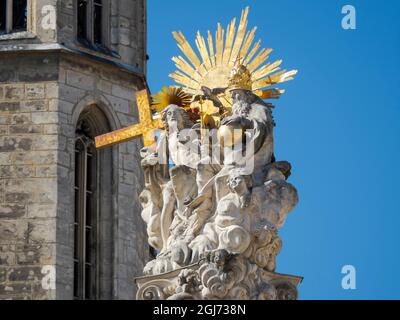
(215, 196)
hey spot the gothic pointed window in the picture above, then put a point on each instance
(3, 14)
(19, 18)
(92, 23)
(97, 22)
(82, 19)
(93, 210)
(13, 15)
(85, 222)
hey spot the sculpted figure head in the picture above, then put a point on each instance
(175, 118)
(242, 100)
(241, 185)
(281, 197)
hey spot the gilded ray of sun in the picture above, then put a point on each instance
(168, 96)
(212, 69)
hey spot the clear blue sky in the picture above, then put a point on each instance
(338, 124)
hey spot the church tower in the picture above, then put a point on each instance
(70, 225)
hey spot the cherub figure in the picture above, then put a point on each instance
(241, 185)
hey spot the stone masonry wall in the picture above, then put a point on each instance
(42, 95)
(28, 182)
(39, 108)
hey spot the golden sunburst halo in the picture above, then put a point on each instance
(220, 54)
(168, 96)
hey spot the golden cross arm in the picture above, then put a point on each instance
(145, 128)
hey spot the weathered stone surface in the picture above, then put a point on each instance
(35, 254)
(45, 117)
(25, 129)
(80, 80)
(24, 274)
(10, 144)
(42, 231)
(8, 172)
(18, 289)
(71, 94)
(39, 210)
(7, 257)
(3, 272)
(5, 159)
(29, 68)
(11, 211)
(104, 86)
(51, 90)
(119, 104)
(34, 158)
(46, 172)
(122, 92)
(35, 91)
(5, 118)
(7, 75)
(10, 106)
(20, 119)
(12, 231)
(29, 71)
(41, 97)
(46, 142)
(14, 92)
(30, 106)
(17, 197)
(43, 192)
(38, 293)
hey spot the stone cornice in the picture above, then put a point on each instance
(56, 47)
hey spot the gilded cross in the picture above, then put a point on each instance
(144, 128)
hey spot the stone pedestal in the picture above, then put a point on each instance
(206, 281)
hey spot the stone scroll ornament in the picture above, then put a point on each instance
(215, 196)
